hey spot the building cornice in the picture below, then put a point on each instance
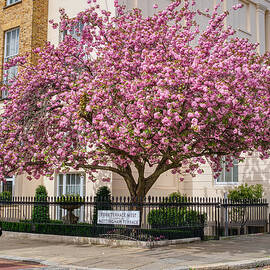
(263, 3)
(261, 7)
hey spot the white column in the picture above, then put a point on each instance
(64, 184)
(267, 31)
(81, 185)
(13, 185)
(57, 187)
(260, 22)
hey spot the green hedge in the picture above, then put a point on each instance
(88, 230)
(16, 226)
(50, 221)
(6, 196)
(49, 228)
(55, 228)
(175, 217)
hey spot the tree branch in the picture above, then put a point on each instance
(98, 167)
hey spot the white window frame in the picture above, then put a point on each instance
(11, 55)
(11, 2)
(78, 212)
(233, 170)
(82, 184)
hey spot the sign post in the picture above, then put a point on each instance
(119, 217)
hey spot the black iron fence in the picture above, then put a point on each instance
(243, 217)
(152, 218)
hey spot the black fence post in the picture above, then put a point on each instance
(269, 223)
(218, 208)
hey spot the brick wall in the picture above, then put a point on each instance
(32, 18)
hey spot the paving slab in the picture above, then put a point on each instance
(233, 253)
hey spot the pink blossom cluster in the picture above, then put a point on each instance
(137, 92)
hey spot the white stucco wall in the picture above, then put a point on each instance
(252, 171)
(72, 8)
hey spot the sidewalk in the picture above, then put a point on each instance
(237, 253)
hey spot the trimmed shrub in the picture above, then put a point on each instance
(177, 197)
(245, 192)
(175, 214)
(171, 217)
(6, 196)
(102, 201)
(41, 207)
(16, 226)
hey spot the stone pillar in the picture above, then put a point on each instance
(260, 22)
(267, 30)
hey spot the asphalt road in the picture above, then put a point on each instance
(12, 265)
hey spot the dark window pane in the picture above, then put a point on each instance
(7, 186)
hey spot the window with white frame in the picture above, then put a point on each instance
(11, 50)
(10, 2)
(72, 183)
(228, 176)
(8, 185)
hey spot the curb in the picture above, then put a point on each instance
(242, 236)
(247, 264)
(96, 241)
(50, 264)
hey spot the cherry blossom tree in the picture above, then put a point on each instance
(133, 93)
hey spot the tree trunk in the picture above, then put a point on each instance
(138, 189)
(138, 198)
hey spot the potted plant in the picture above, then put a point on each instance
(70, 202)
